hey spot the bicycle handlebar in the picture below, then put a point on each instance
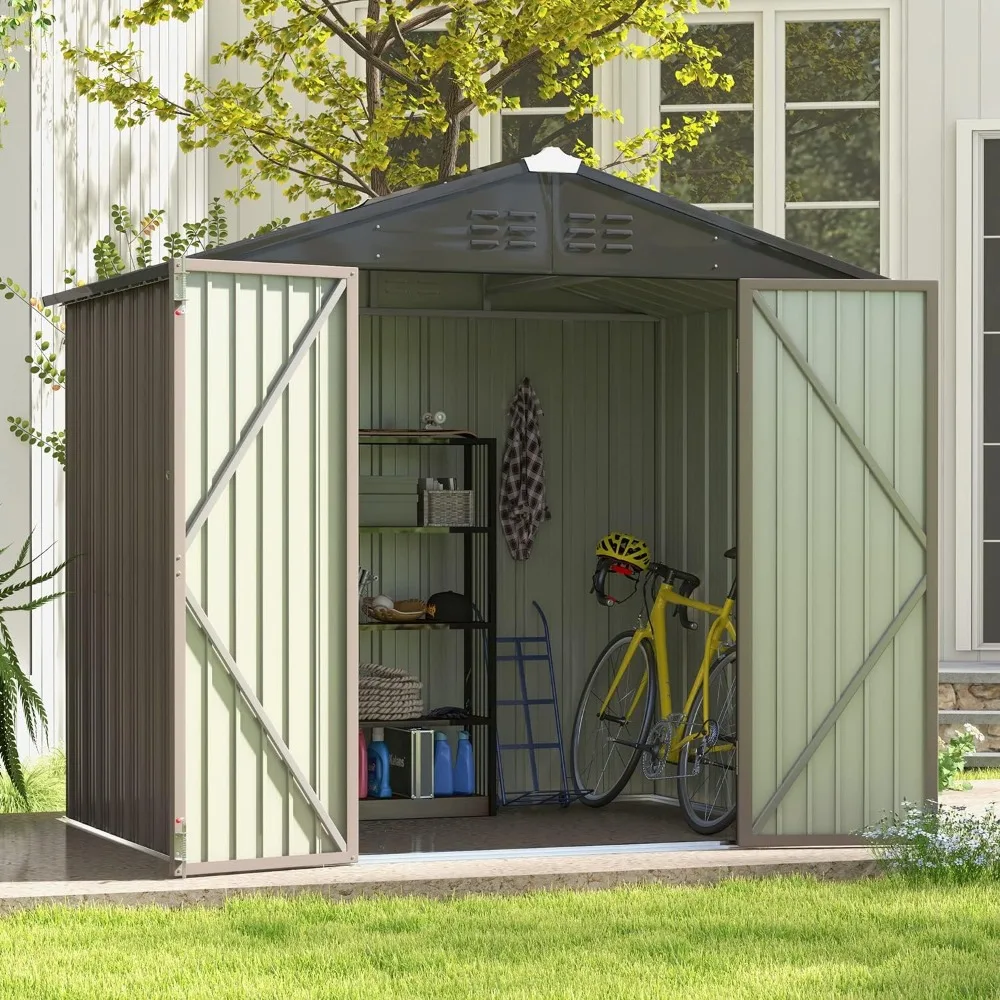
(687, 584)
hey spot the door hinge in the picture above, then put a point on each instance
(180, 839)
(737, 355)
(180, 280)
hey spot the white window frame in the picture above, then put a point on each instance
(488, 148)
(969, 331)
(727, 17)
(770, 17)
(882, 14)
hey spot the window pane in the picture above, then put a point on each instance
(735, 42)
(991, 388)
(832, 61)
(428, 149)
(991, 187)
(991, 592)
(849, 234)
(524, 84)
(719, 169)
(527, 134)
(396, 54)
(991, 493)
(832, 155)
(991, 285)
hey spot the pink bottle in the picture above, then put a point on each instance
(362, 766)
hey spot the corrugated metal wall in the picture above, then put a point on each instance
(120, 587)
(834, 562)
(638, 436)
(268, 567)
(698, 473)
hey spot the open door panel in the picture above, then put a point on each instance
(837, 604)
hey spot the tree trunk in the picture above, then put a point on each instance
(373, 88)
(449, 150)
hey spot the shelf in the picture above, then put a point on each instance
(426, 723)
(429, 529)
(416, 626)
(454, 805)
(419, 439)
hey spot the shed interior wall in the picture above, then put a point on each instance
(660, 467)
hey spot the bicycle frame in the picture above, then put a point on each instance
(655, 630)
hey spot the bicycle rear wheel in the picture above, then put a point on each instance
(706, 787)
(601, 766)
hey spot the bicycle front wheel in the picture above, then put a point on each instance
(706, 772)
(606, 747)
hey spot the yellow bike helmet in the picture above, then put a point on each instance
(618, 555)
(626, 549)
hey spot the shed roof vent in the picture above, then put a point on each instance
(552, 160)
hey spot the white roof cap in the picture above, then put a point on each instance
(552, 160)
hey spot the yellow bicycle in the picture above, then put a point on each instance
(614, 728)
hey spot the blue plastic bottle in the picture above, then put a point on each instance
(444, 783)
(378, 767)
(465, 767)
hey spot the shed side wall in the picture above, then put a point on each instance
(120, 518)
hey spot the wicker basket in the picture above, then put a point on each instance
(388, 694)
(447, 508)
(403, 611)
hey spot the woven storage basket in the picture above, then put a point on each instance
(388, 694)
(447, 508)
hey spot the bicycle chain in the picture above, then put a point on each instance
(655, 756)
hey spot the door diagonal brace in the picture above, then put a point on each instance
(201, 616)
(263, 409)
(781, 332)
(839, 705)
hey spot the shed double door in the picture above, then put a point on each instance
(267, 739)
(836, 602)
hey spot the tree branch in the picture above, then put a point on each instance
(359, 186)
(496, 82)
(336, 22)
(618, 22)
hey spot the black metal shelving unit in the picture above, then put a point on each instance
(479, 572)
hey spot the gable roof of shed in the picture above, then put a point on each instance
(546, 214)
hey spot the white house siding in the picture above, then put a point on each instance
(15, 391)
(939, 68)
(74, 164)
(952, 73)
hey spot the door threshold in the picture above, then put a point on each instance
(544, 852)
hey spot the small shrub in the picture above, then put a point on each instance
(940, 843)
(45, 781)
(951, 758)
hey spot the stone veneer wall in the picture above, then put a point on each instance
(970, 698)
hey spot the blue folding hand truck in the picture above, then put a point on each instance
(523, 649)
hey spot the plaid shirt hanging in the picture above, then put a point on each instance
(522, 488)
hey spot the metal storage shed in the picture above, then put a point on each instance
(212, 493)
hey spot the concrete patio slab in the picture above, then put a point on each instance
(976, 799)
(445, 879)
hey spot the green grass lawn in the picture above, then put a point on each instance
(45, 780)
(740, 941)
(981, 774)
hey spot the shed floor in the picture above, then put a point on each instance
(42, 847)
(525, 827)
